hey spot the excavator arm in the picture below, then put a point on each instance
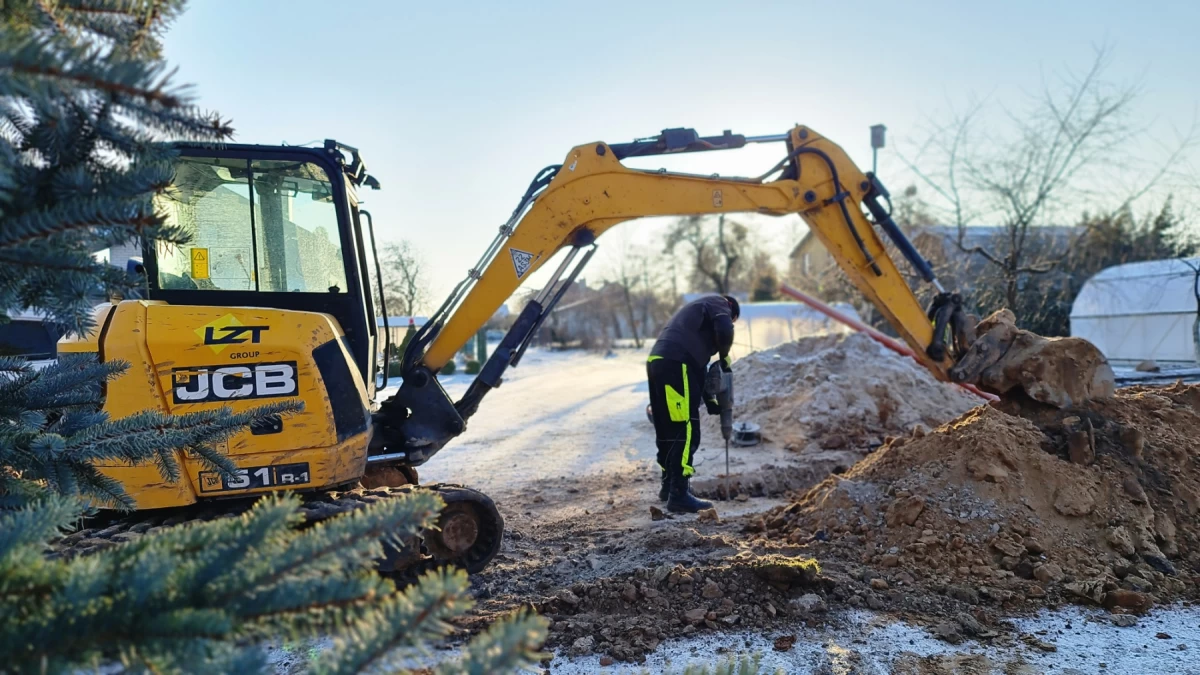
(570, 205)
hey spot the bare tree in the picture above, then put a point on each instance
(404, 278)
(1031, 171)
(718, 253)
(628, 277)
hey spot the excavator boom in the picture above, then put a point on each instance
(570, 205)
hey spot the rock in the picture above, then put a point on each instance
(1008, 547)
(606, 661)
(567, 597)
(1087, 590)
(661, 572)
(742, 497)
(784, 643)
(970, 625)
(905, 511)
(809, 603)
(583, 646)
(890, 560)
(1164, 527)
(1134, 490)
(1074, 500)
(1118, 537)
(948, 631)
(1162, 636)
(1139, 584)
(833, 442)
(879, 584)
(629, 593)
(1124, 620)
(656, 513)
(1133, 439)
(708, 516)
(1023, 569)
(963, 594)
(1035, 592)
(1159, 564)
(1048, 573)
(1034, 546)
(1037, 643)
(1130, 600)
(694, 616)
(711, 590)
(1080, 448)
(1147, 366)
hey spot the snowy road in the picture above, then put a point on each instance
(558, 414)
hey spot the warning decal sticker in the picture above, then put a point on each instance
(522, 260)
(199, 263)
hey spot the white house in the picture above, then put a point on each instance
(1140, 311)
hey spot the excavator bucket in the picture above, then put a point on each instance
(1061, 372)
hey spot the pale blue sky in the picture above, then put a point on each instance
(456, 105)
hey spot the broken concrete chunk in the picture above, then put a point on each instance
(809, 603)
(1074, 500)
(905, 511)
(708, 516)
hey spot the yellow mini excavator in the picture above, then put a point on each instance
(273, 300)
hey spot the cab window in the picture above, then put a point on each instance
(258, 225)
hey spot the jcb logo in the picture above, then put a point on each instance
(202, 384)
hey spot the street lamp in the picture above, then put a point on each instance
(878, 132)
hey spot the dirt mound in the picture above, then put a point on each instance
(1023, 503)
(836, 390)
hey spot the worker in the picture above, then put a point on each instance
(698, 331)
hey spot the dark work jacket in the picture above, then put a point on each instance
(700, 329)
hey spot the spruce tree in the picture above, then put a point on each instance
(86, 110)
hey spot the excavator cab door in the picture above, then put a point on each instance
(272, 227)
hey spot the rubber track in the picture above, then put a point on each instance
(109, 529)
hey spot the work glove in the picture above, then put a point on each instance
(711, 405)
(727, 364)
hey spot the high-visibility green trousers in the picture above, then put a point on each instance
(676, 390)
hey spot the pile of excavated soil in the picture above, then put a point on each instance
(836, 390)
(1017, 505)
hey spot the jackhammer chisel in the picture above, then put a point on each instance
(718, 386)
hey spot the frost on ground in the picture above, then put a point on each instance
(1071, 641)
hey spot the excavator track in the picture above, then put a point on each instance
(469, 532)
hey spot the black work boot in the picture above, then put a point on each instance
(681, 499)
(666, 487)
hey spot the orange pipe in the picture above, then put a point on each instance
(890, 343)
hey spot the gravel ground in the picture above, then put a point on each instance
(867, 643)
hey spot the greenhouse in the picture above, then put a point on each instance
(1142, 311)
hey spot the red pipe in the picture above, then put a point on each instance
(890, 343)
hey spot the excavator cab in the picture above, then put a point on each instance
(269, 300)
(271, 226)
